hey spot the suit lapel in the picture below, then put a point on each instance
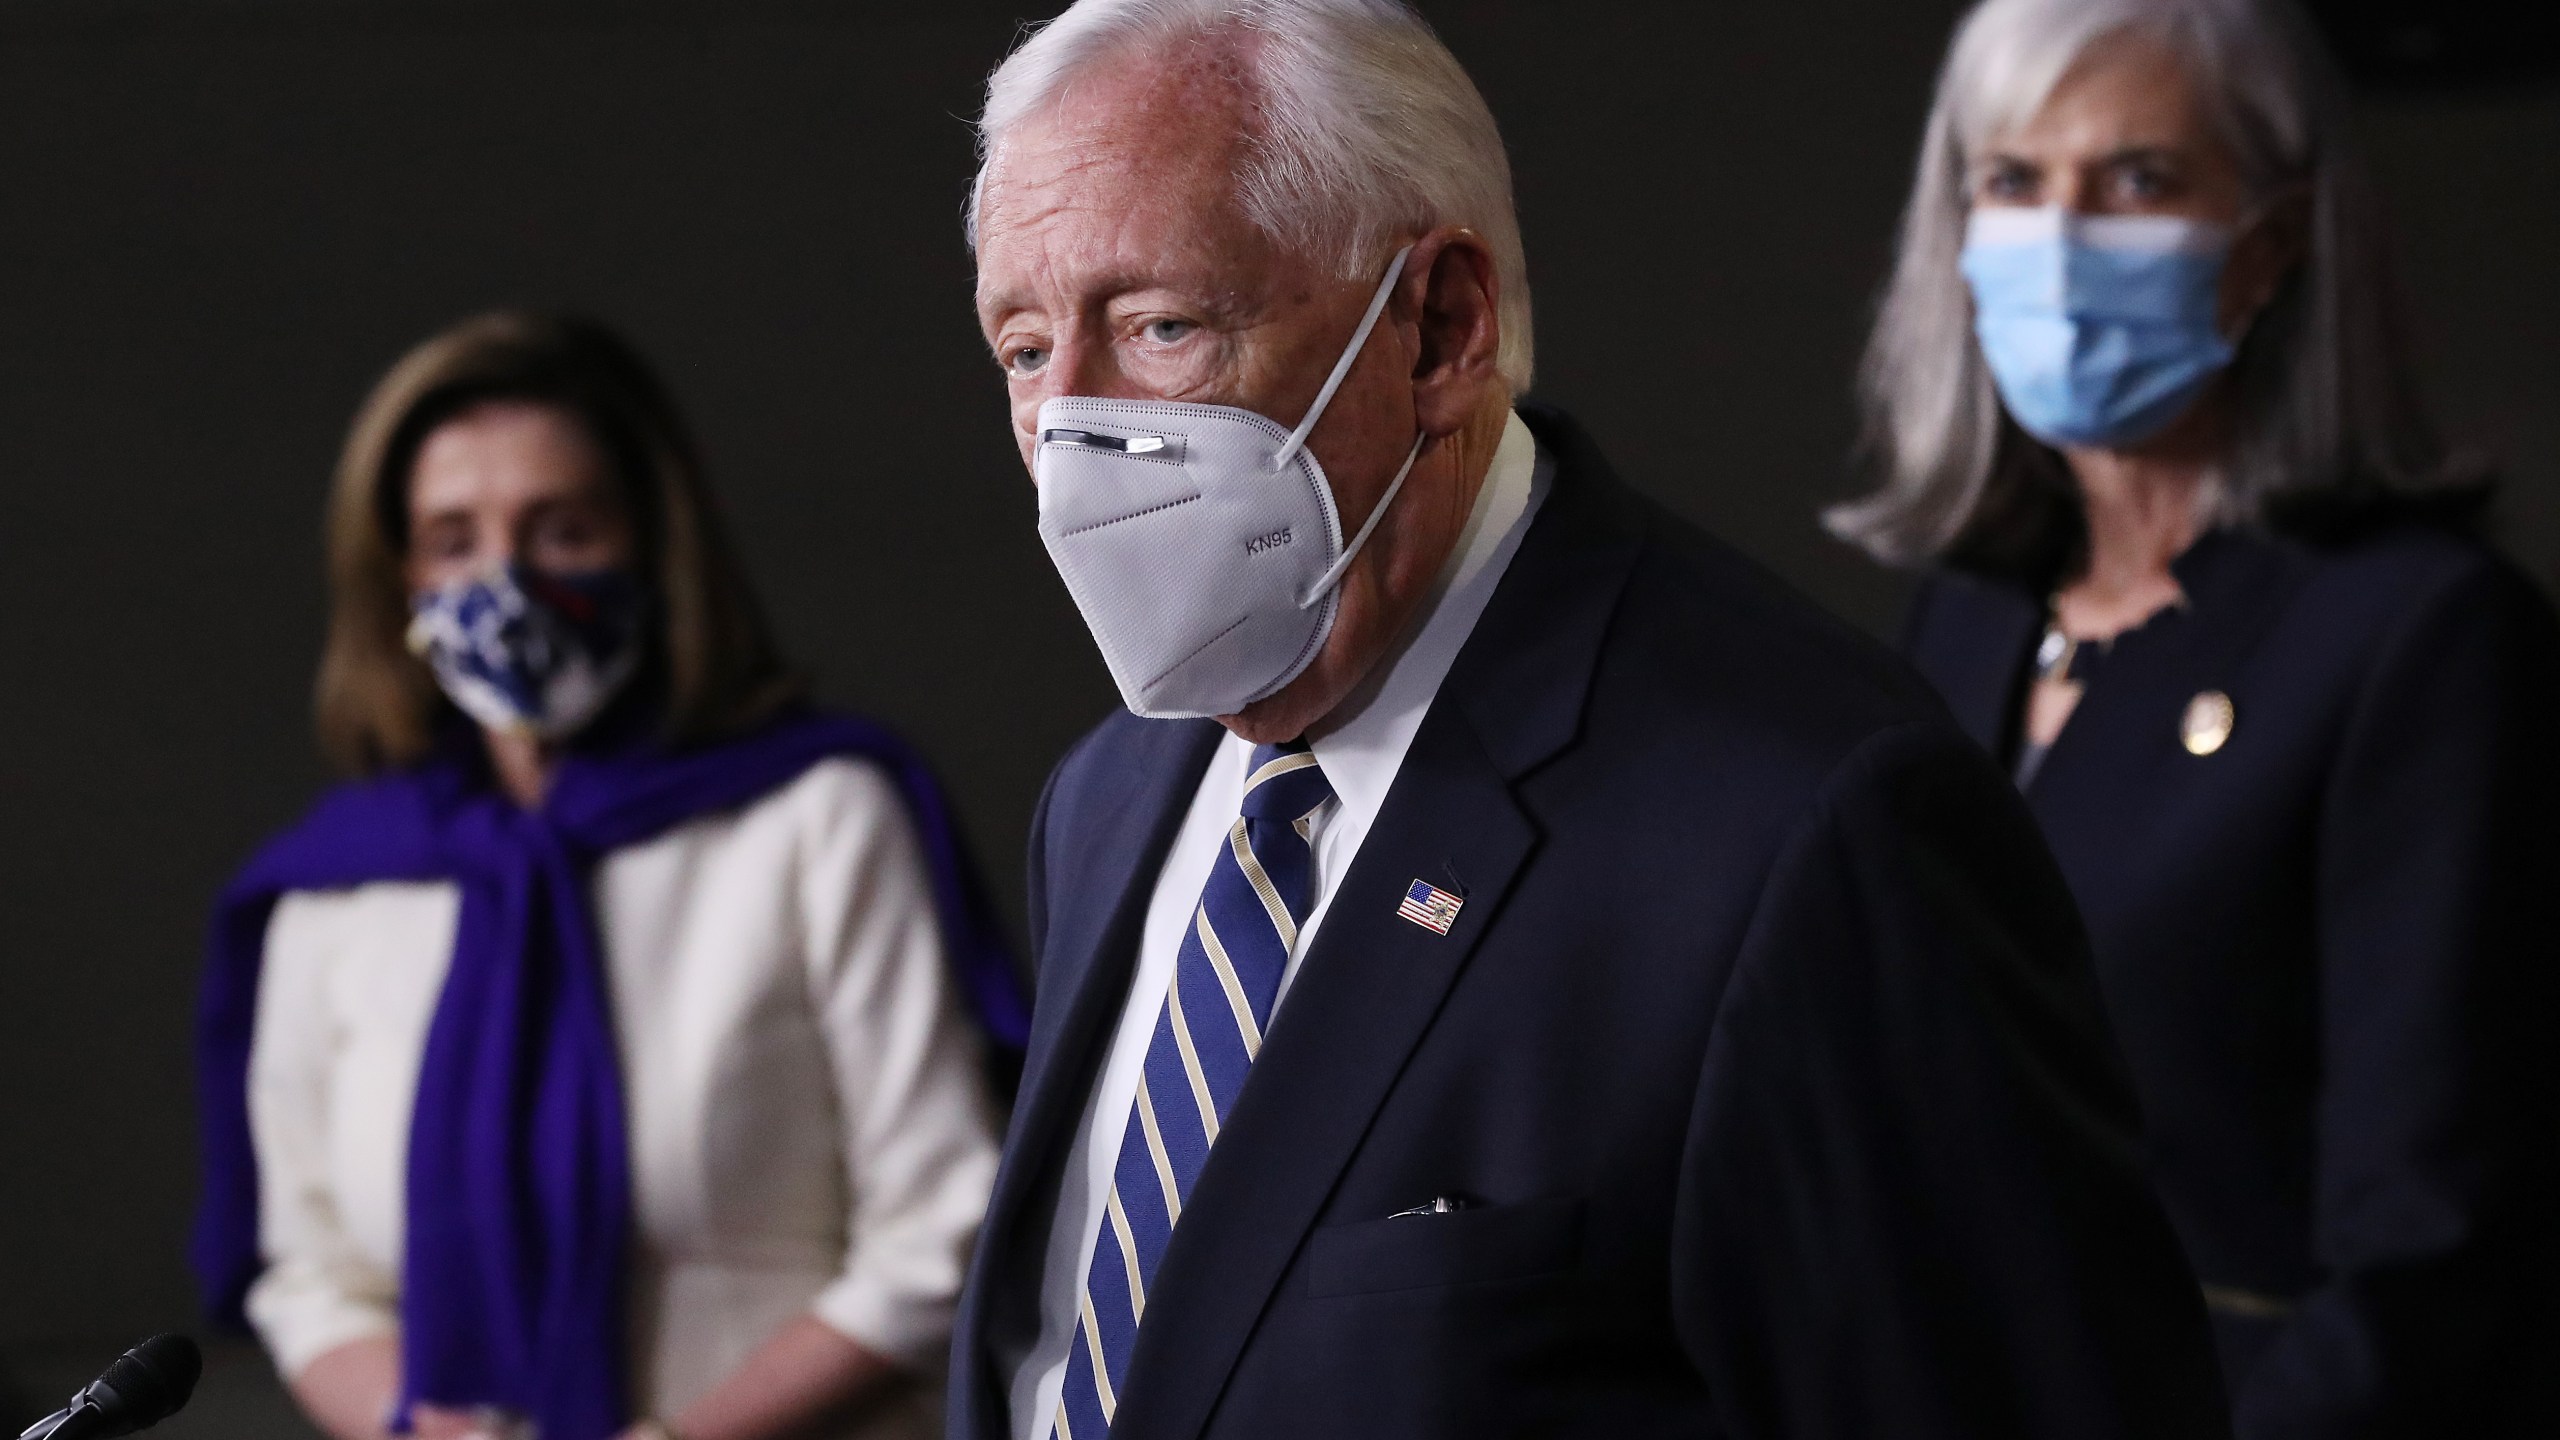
(1373, 982)
(1098, 893)
(1097, 898)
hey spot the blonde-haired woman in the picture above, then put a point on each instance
(606, 1057)
(2142, 404)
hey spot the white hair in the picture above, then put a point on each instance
(1366, 130)
(2324, 392)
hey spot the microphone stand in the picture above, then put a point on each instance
(46, 1427)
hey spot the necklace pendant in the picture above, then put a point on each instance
(2055, 653)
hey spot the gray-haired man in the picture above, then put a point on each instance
(1516, 970)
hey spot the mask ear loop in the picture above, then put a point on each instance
(2242, 228)
(1342, 367)
(1377, 513)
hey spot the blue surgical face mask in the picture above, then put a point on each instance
(2099, 329)
(518, 649)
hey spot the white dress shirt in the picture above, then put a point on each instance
(809, 1125)
(1360, 752)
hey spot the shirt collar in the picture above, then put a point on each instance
(1361, 754)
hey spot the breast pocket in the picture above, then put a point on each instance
(1462, 1247)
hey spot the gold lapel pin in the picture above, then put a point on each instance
(2207, 724)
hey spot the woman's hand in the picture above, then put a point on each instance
(806, 1375)
(434, 1422)
(348, 1391)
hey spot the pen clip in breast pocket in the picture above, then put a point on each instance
(1463, 1244)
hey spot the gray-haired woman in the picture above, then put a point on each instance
(2200, 574)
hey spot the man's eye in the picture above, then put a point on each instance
(1166, 332)
(1025, 360)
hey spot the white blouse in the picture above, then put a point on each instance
(809, 1121)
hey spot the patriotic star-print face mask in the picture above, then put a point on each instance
(518, 649)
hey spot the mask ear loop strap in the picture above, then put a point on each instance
(1377, 513)
(2249, 220)
(1342, 367)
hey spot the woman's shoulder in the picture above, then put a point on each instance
(2437, 608)
(2402, 543)
(359, 918)
(362, 844)
(834, 791)
(2389, 574)
(838, 806)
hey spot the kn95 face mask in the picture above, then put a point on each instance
(2098, 330)
(1200, 542)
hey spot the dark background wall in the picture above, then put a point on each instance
(219, 221)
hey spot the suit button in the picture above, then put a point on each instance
(2207, 723)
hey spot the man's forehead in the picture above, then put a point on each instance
(1194, 91)
(1127, 206)
(1142, 130)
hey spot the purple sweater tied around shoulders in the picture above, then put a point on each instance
(519, 1183)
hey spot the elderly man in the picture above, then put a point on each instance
(1517, 970)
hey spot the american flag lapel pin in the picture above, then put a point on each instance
(1430, 907)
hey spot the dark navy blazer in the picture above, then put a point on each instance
(1764, 1045)
(2327, 948)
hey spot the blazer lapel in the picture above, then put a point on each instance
(1974, 643)
(1374, 981)
(1097, 905)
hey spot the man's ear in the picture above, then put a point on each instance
(1451, 295)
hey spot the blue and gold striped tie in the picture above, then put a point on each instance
(1224, 982)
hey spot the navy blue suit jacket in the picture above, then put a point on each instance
(1765, 1044)
(2328, 952)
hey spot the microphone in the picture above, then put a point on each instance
(147, 1384)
